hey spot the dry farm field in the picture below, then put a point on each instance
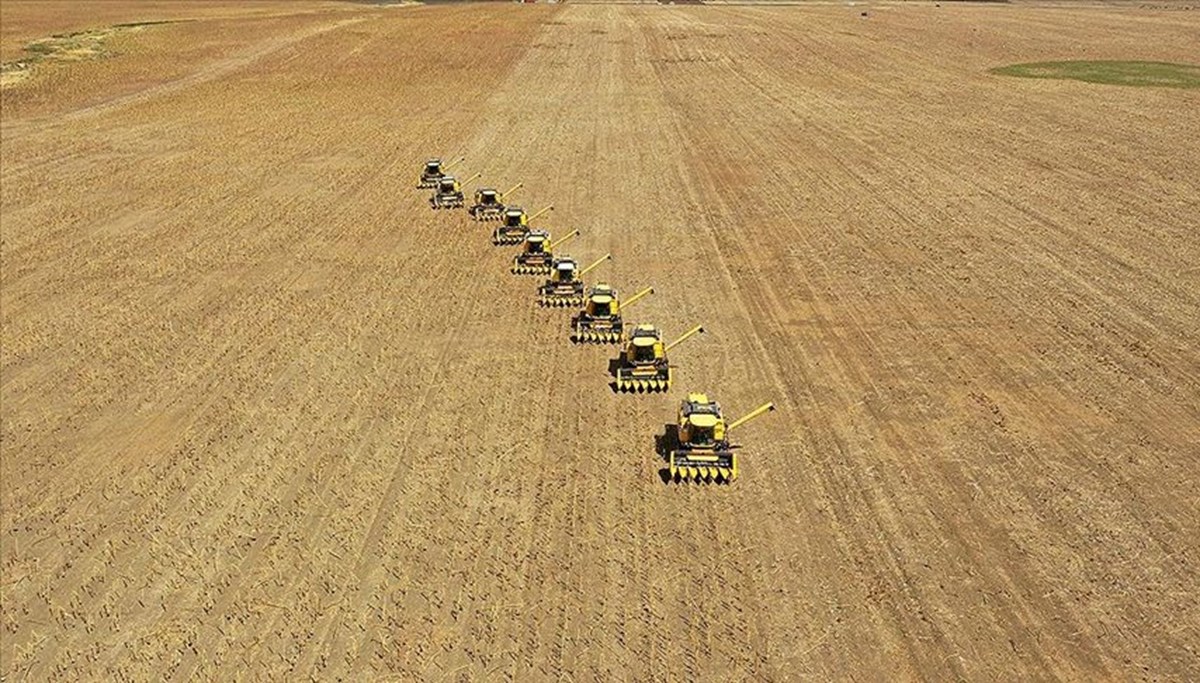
(266, 415)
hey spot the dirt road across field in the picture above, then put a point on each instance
(267, 415)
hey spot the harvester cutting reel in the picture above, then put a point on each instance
(596, 337)
(524, 269)
(645, 386)
(722, 469)
(550, 300)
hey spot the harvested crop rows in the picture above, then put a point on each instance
(266, 413)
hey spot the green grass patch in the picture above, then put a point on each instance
(1145, 74)
(140, 24)
(70, 47)
(40, 48)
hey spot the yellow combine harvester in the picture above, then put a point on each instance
(538, 253)
(515, 226)
(600, 321)
(643, 365)
(489, 204)
(433, 171)
(702, 451)
(565, 286)
(449, 192)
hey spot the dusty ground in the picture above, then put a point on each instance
(263, 412)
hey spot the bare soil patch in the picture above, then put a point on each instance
(263, 414)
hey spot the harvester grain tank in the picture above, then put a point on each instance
(601, 321)
(565, 284)
(489, 204)
(449, 192)
(433, 171)
(537, 253)
(702, 451)
(644, 365)
(515, 226)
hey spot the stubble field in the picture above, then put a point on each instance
(266, 414)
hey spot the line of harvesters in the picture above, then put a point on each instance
(697, 447)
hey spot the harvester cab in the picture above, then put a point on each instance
(515, 225)
(535, 241)
(537, 253)
(489, 204)
(645, 345)
(433, 171)
(644, 365)
(449, 193)
(703, 452)
(600, 321)
(563, 271)
(565, 286)
(602, 302)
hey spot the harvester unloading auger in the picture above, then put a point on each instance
(449, 192)
(565, 285)
(643, 365)
(538, 253)
(703, 452)
(515, 226)
(600, 321)
(433, 171)
(489, 204)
